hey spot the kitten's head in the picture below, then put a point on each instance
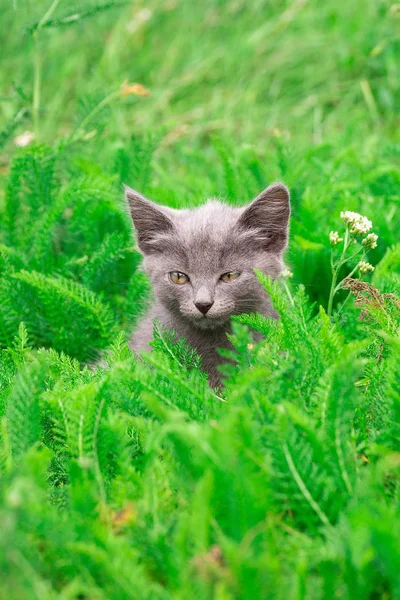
(201, 261)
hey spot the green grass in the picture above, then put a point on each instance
(139, 481)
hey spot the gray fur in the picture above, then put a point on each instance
(205, 243)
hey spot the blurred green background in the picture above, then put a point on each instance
(312, 70)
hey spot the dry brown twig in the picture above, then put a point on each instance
(366, 295)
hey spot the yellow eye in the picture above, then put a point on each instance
(228, 277)
(178, 277)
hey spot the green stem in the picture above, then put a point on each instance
(285, 285)
(332, 290)
(340, 284)
(353, 270)
(77, 135)
(36, 84)
(352, 256)
(48, 14)
(335, 287)
(343, 303)
(37, 72)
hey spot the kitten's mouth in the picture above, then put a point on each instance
(208, 322)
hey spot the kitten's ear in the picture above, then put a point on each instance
(268, 217)
(150, 220)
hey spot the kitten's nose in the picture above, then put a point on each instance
(203, 307)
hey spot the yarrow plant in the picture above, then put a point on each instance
(356, 226)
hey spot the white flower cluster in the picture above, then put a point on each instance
(357, 224)
(287, 274)
(334, 238)
(370, 241)
(364, 267)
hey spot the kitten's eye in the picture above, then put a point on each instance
(178, 277)
(228, 277)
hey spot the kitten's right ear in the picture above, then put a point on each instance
(268, 217)
(150, 220)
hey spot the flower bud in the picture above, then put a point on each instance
(365, 267)
(334, 238)
(370, 241)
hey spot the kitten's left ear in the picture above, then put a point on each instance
(268, 217)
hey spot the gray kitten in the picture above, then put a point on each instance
(201, 264)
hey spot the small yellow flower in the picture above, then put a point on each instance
(134, 89)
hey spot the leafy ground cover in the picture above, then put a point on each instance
(139, 480)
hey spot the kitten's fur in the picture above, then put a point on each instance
(205, 243)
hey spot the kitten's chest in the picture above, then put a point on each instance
(206, 344)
